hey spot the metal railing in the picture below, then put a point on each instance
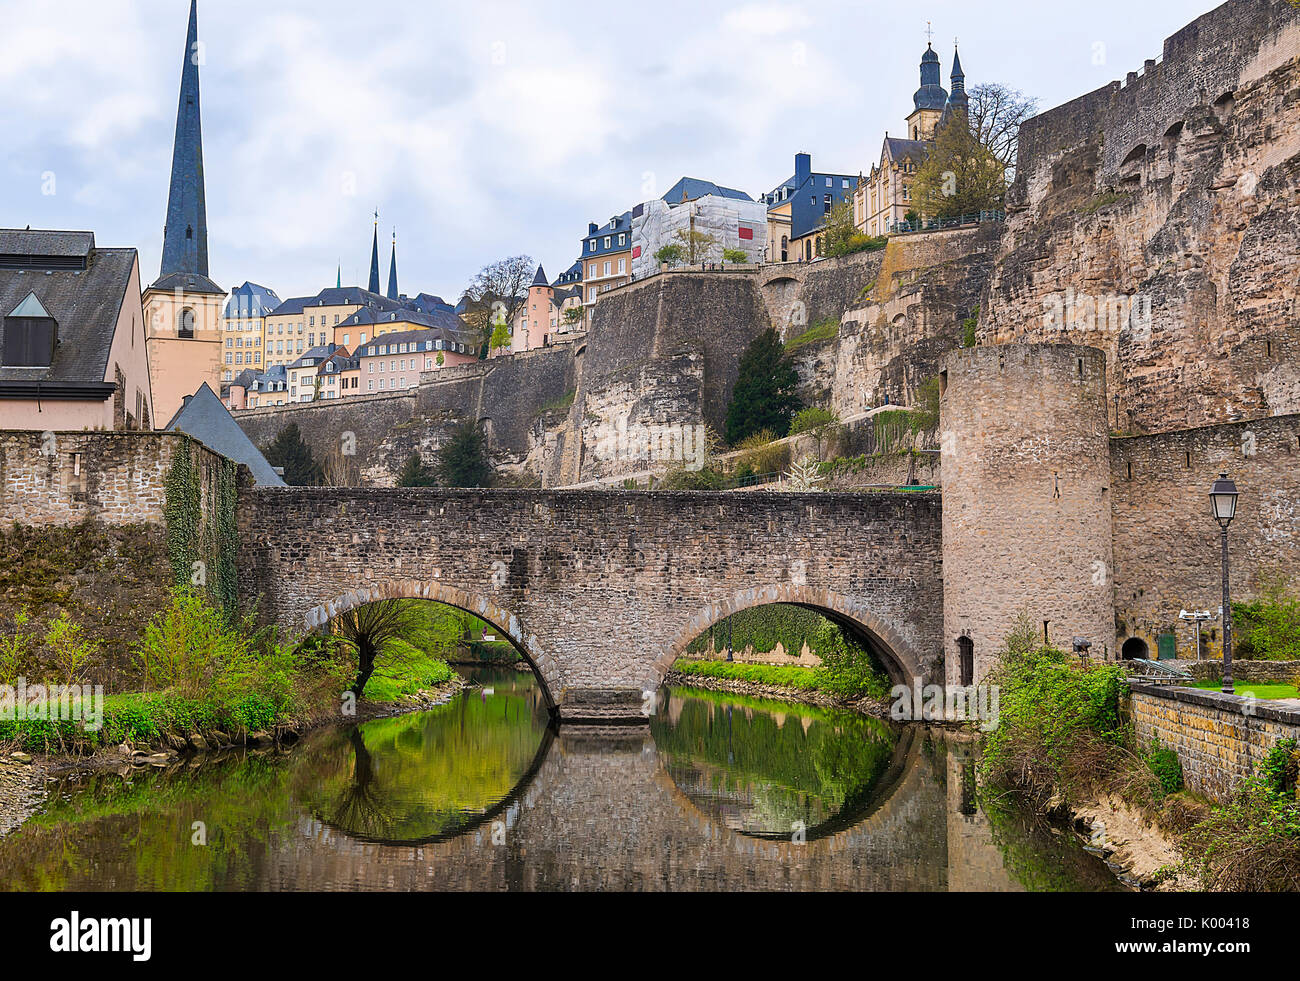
(939, 224)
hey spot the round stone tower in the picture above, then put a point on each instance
(1026, 501)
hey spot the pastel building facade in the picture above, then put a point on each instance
(72, 335)
(798, 207)
(244, 328)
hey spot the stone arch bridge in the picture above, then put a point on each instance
(602, 591)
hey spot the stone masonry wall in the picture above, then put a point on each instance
(117, 478)
(1166, 544)
(1026, 515)
(1220, 739)
(602, 591)
(1159, 221)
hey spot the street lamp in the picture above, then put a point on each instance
(1223, 505)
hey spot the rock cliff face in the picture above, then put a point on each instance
(1159, 220)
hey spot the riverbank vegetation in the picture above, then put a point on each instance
(848, 669)
(202, 677)
(1063, 739)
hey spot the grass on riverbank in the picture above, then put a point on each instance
(1271, 692)
(779, 675)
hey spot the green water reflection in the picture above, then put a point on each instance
(481, 794)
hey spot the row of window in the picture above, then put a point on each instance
(609, 242)
(608, 269)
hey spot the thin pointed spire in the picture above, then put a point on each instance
(339, 284)
(185, 239)
(374, 258)
(392, 270)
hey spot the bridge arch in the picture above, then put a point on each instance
(507, 623)
(900, 660)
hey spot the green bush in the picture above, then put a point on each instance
(823, 330)
(1168, 769)
(1059, 726)
(1268, 629)
(848, 669)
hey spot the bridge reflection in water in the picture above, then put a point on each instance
(720, 793)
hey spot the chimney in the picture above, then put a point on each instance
(802, 169)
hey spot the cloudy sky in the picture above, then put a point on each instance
(488, 128)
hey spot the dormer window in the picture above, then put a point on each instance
(31, 336)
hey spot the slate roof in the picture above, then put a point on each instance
(346, 296)
(207, 420)
(315, 355)
(84, 303)
(418, 337)
(442, 317)
(540, 278)
(188, 283)
(251, 301)
(16, 241)
(693, 188)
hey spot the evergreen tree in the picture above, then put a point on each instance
(290, 451)
(463, 461)
(415, 473)
(765, 395)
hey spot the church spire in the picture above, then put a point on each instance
(392, 270)
(374, 258)
(185, 240)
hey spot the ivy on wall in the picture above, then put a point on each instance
(202, 548)
(762, 629)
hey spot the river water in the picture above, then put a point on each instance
(722, 792)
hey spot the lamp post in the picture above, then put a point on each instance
(1223, 505)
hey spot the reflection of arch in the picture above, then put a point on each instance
(507, 623)
(855, 813)
(1134, 649)
(897, 655)
(471, 824)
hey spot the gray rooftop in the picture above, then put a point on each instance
(207, 420)
(84, 303)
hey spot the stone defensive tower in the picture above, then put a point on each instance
(1026, 500)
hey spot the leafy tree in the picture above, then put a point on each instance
(463, 461)
(500, 337)
(290, 451)
(735, 256)
(387, 628)
(696, 246)
(842, 236)
(573, 315)
(497, 292)
(821, 424)
(960, 175)
(673, 254)
(415, 473)
(1269, 627)
(765, 395)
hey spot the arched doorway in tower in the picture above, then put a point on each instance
(966, 660)
(1135, 649)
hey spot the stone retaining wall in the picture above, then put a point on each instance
(1254, 671)
(1219, 739)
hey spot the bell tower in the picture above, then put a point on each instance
(183, 307)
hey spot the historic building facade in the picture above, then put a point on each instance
(883, 197)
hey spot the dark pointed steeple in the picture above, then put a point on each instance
(392, 270)
(958, 99)
(540, 278)
(185, 239)
(374, 259)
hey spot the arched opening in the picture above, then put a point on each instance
(856, 622)
(740, 744)
(506, 626)
(966, 660)
(185, 329)
(1135, 649)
